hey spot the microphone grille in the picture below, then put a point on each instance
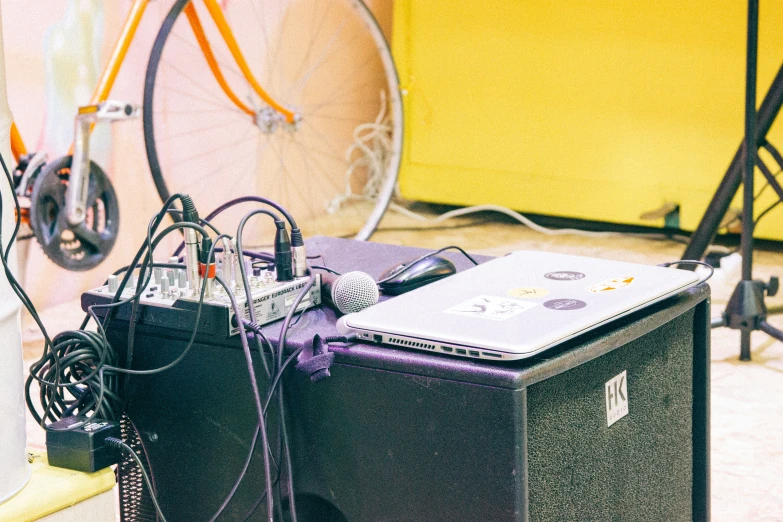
(354, 291)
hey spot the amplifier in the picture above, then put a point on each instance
(612, 425)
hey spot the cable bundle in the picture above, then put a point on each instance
(79, 372)
(73, 380)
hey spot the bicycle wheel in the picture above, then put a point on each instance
(335, 170)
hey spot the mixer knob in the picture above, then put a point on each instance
(114, 284)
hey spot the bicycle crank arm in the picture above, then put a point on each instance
(79, 178)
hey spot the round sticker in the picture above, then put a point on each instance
(611, 284)
(565, 275)
(565, 304)
(528, 292)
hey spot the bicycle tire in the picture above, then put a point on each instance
(165, 181)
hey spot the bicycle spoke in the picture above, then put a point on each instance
(190, 156)
(301, 82)
(210, 175)
(329, 117)
(202, 88)
(222, 62)
(274, 65)
(314, 35)
(320, 136)
(324, 59)
(262, 23)
(198, 130)
(369, 104)
(287, 173)
(339, 87)
(329, 177)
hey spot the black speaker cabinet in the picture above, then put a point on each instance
(612, 425)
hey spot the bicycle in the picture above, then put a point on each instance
(213, 129)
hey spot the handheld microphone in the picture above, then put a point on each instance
(350, 292)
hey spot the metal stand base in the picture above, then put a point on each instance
(747, 312)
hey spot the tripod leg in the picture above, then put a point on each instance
(770, 330)
(745, 345)
(708, 227)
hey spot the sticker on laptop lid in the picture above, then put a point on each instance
(528, 292)
(565, 304)
(614, 283)
(491, 307)
(565, 275)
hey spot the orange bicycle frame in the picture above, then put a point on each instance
(109, 74)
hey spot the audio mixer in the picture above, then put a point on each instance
(169, 302)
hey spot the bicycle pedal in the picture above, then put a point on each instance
(109, 110)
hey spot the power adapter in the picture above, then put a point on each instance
(79, 443)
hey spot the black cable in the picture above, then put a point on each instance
(767, 184)
(111, 413)
(279, 375)
(256, 398)
(90, 355)
(18, 221)
(87, 355)
(239, 479)
(765, 212)
(202, 222)
(17, 288)
(692, 262)
(324, 268)
(117, 443)
(425, 256)
(187, 203)
(141, 289)
(281, 404)
(254, 199)
(252, 314)
(154, 265)
(256, 504)
(301, 314)
(246, 199)
(243, 272)
(755, 198)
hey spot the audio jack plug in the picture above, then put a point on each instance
(206, 267)
(299, 253)
(190, 215)
(283, 256)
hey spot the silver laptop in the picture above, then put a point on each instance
(515, 306)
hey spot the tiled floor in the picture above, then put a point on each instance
(747, 397)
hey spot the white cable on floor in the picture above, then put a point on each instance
(503, 210)
(373, 143)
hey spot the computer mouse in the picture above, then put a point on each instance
(415, 273)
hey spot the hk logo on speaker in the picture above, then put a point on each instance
(616, 398)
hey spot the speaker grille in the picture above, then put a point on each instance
(135, 501)
(579, 469)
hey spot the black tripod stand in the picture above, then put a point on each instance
(746, 310)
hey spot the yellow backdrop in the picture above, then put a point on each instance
(596, 110)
